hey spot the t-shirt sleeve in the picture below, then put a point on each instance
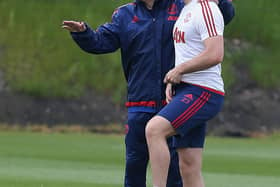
(209, 21)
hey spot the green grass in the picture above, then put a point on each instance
(28, 159)
(257, 22)
(39, 58)
(81, 160)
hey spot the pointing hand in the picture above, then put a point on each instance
(74, 26)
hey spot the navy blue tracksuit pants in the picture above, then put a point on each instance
(137, 154)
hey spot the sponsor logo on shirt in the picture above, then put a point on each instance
(179, 36)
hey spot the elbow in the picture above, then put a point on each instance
(215, 59)
(219, 58)
(215, 50)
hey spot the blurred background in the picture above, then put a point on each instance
(48, 84)
(46, 79)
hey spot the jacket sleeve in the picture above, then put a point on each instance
(103, 40)
(227, 10)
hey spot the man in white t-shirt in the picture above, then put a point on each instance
(199, 93)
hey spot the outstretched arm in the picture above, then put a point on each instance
(104, 40)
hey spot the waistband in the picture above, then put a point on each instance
(207, 88)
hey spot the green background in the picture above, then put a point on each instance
(39, 58)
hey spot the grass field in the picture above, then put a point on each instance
(83, 160)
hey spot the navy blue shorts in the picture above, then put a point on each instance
(188, 112)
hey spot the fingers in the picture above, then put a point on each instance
(71, 23)
(165, 80)
(67, 28)
(168, 100)
(172, 79)
(168, 93)
(168, 77)
(74, 26)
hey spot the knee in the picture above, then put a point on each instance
(152, 129)
(189, 168)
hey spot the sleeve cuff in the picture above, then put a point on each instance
(81, 34)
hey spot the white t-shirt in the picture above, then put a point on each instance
(197, 22)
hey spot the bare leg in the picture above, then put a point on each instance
(190, 161)
(157, 130)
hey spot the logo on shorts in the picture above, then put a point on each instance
(187, 98)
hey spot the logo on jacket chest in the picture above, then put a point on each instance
(179, 36)
(172, 11)
(135, 19)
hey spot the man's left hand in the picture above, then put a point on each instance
(174, 76)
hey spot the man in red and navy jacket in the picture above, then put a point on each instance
(143, 32)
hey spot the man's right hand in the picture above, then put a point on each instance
(74, 26)
(169, 92)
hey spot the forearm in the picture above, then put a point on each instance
(96, 42)
(203, 61)
(211, 56)
(86, 40)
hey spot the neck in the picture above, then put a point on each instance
(187, 1)
(149, 3)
